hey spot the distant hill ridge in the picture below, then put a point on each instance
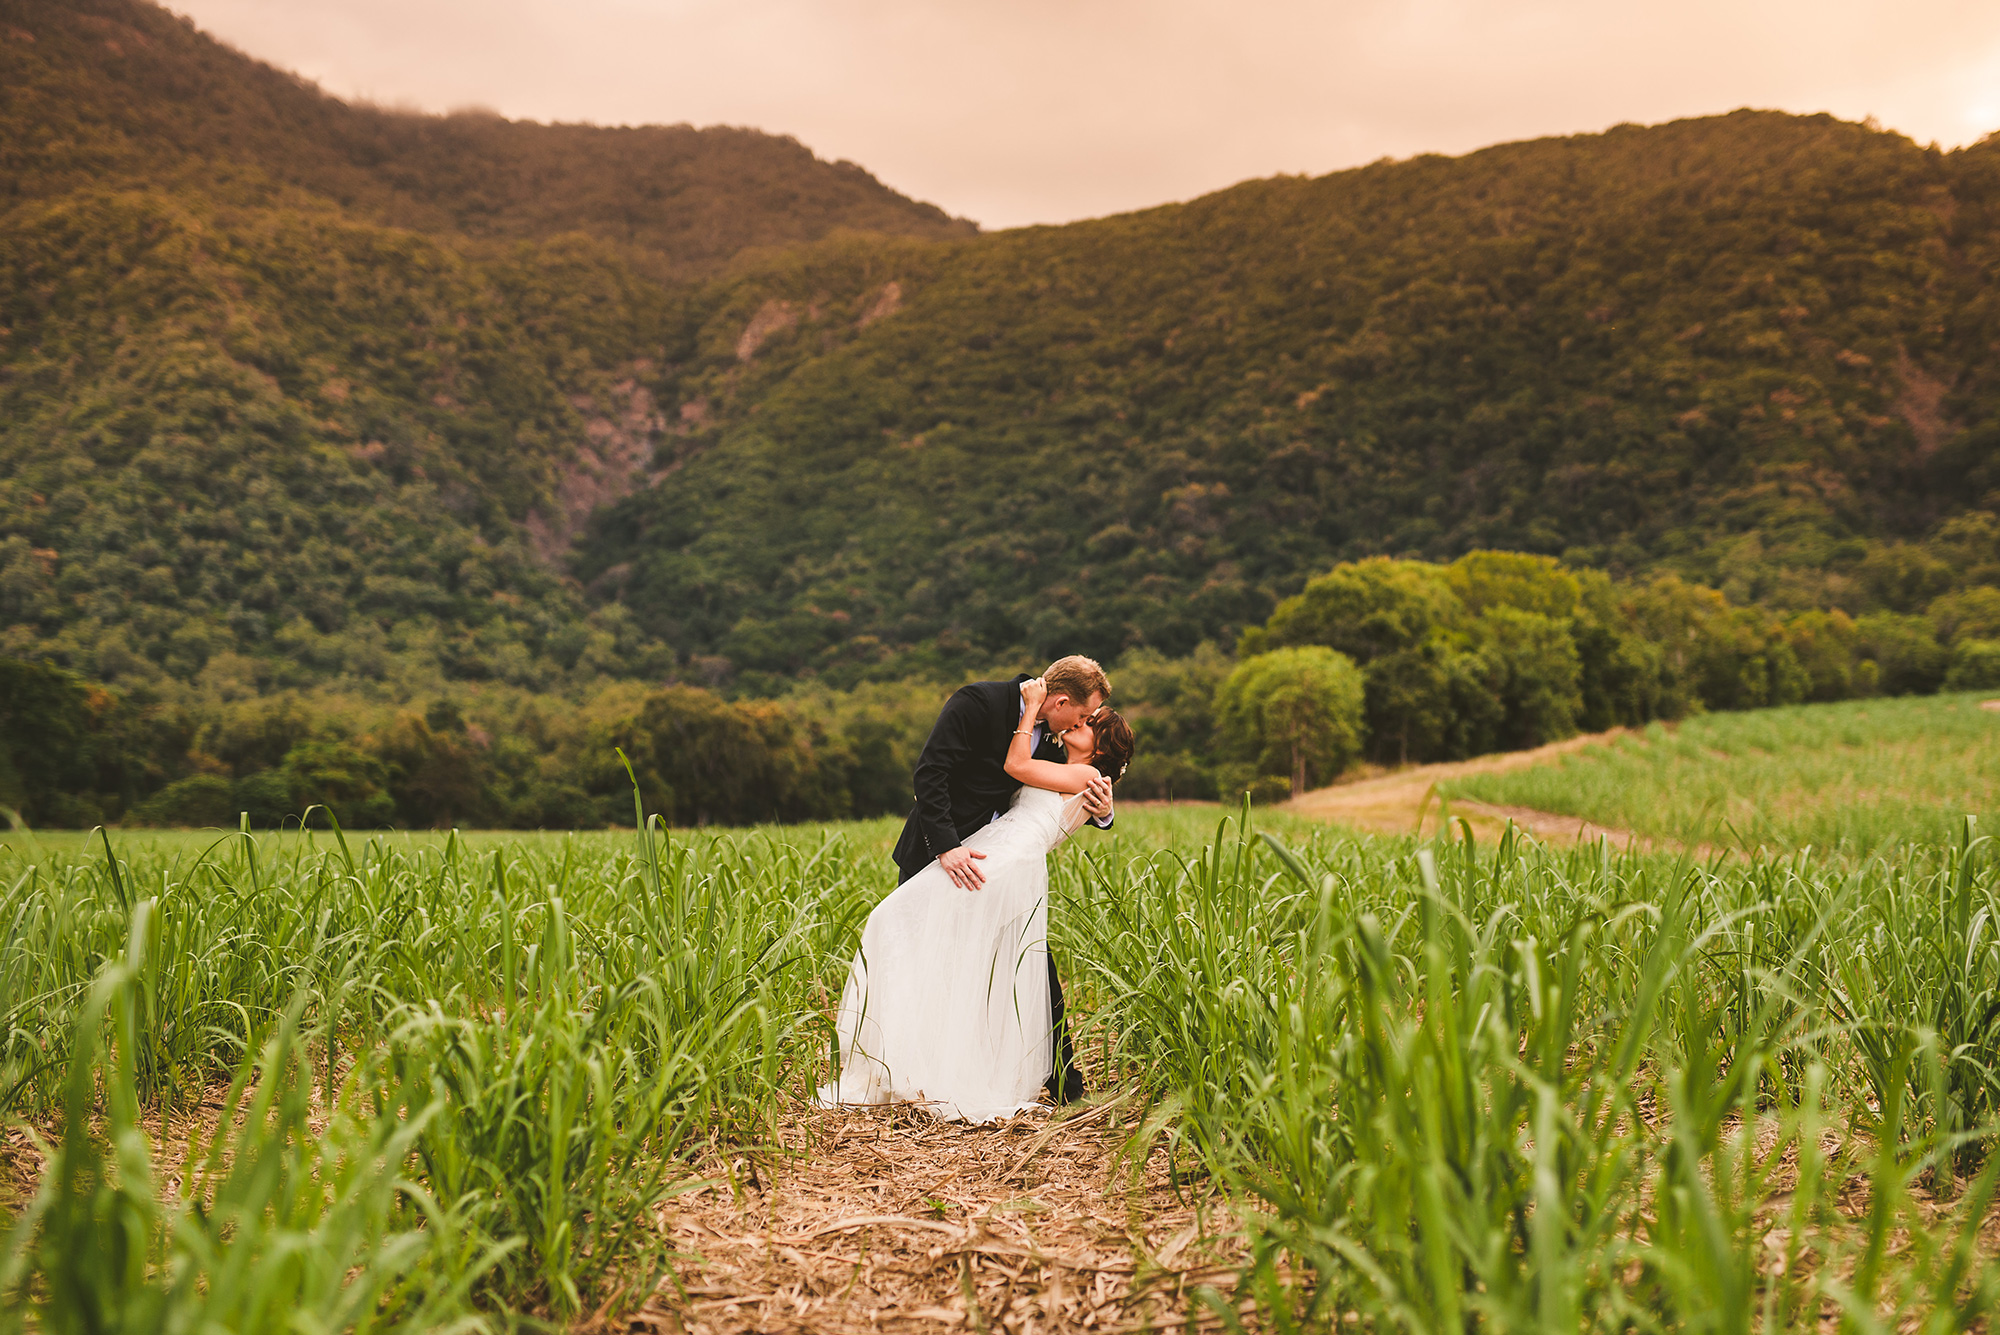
(122, 90)
(293, 390)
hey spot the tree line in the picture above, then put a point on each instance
(1398, 661)
(1380, 661)
(74, 753)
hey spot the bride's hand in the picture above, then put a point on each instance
(1033, 692)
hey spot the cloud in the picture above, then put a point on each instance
(1035, 111)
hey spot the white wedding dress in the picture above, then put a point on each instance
(947, 1003)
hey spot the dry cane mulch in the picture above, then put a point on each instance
(888, 1220)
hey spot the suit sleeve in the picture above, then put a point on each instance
(950, 742)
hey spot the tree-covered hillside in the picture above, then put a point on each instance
(1754, 349)
(93, 91)
(410, 464)
(278, 445)
(292, 390)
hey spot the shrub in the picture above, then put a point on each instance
(1908, 658)
(203, 799)
(345, 780)
(265, 797)
(1975, 666)
(1968, 614)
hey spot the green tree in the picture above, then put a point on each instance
(265, 797)
(1364, 609)
(1539, 672)
(436, 775)
(1409, 703)
(1296, 712)
(1975, 666)
(1904, 576)
(196, 801)
(866, 741)
(1968, 613)
(1619, 676)
(1170, 703)
(46, 744)
(1716, 655)
(1904, 651)
(344, 779)
(1520, 580)
(1825, 644)
(716, 762)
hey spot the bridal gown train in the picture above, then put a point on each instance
(947, 1003)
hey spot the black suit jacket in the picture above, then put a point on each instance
(962, 775)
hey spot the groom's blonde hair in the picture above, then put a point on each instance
(1078, 678)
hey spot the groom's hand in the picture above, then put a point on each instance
(964, 872)
(1097, 798)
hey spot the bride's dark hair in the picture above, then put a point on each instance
(1114, 743)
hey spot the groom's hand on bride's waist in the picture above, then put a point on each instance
(959, 864)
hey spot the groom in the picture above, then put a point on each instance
(962, 783)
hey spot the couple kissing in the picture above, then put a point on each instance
(953, 1002)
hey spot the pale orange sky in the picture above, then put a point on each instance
(1023, 111)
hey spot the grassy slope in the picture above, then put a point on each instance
(1858, 774)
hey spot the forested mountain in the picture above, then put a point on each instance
(292, 390)
(1756, 349)
(94, 92)
(397, 461)
(327, 386)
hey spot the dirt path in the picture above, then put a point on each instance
(1402, 802)
(891, 1221)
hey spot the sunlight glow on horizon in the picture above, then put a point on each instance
(1022, 111)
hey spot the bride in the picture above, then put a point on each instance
(947, 1003)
